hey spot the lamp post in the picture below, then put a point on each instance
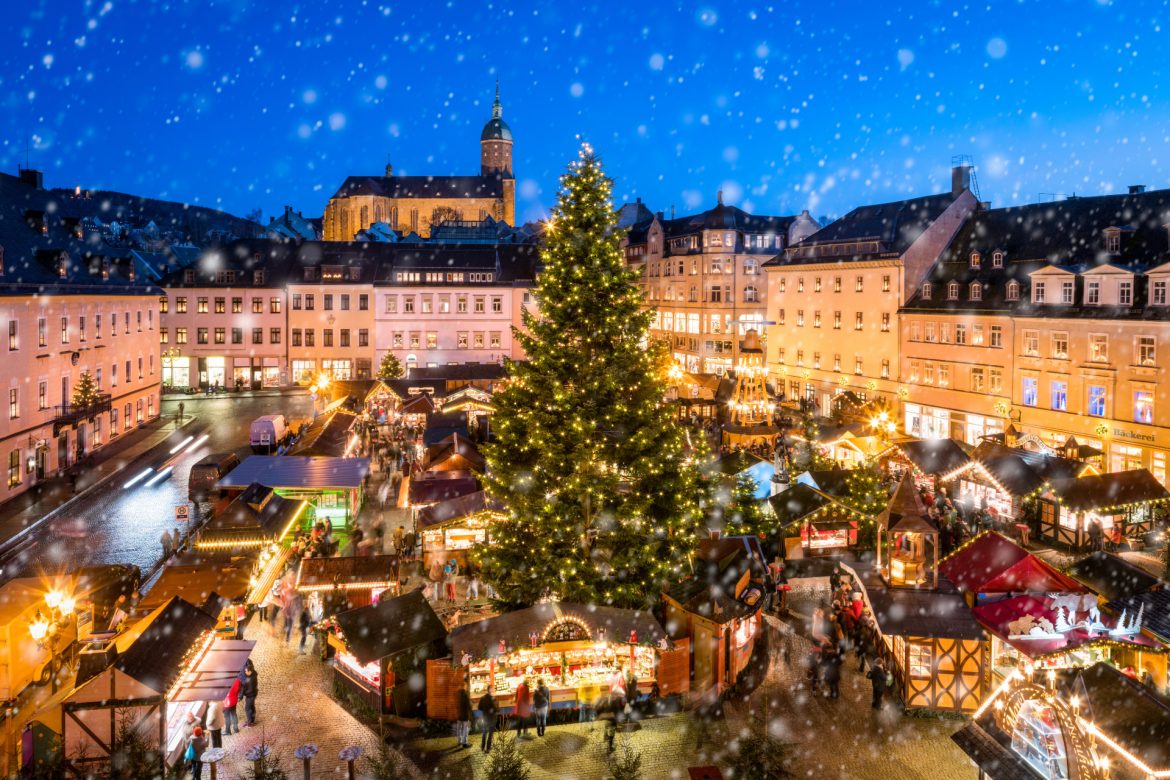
(349, 755)
(46, 631)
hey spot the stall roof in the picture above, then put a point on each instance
(329, 436)
(213, 674)
(455, 509)
(935, 456)
(1154, 607)
(1098, 491)
(298, 471)
(431, 486)
(1021, 471)
(152, 649)
(797, 502)
(991, 560)
(390, 626)
(997, 616)
(482, 638)
(906, 612)
(1127, 711)
(1112, 576)
(372, 570)
(833, 482)
(423, 388)
(195, 584)
(360, 390)
(979, 740)
(719, 566)
(256, 515)
(451, 447)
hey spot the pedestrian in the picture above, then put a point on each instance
(864, 642)
(835, 580)
(463, 716)
(487, 714)
(607, 711)
(523, 707)
(408, 542)
(250, 689)
(195, 748)
(540, 705)
(166, 544)
(182, 408)
(450, 573)
(231, 720)
(880, 679)
(472, 585)
(813, 666)
(831, 664)
(435, 574)
(305, 620)
(215, 723)
(399, 534)
(176, 540)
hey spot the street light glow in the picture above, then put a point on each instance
(160, 476)
(137, 478)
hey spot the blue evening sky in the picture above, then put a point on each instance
(782, 105)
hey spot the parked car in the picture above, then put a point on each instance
(207, 472)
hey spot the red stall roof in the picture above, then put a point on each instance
(992, 563)
(997, 616)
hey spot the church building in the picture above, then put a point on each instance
(417, 203)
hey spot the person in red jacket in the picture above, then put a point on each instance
(523, 708)
(230, 719)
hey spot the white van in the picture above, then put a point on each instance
(266, 433)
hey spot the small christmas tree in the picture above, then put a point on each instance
(865, 494)
(85, 392)
(625, 763)
(743, 514)
(810, 456)
(757, 755)
(391, 367)
(505, 761)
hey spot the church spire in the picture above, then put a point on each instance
(497, 109)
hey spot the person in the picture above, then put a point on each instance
(305, 621)
(166, 544)
(540, 705)
(631, 687)
(782, 588)
(230, 719)
(463, 716)
(607, 712)
(487, 713)
(523, 707)
(1096, 535)
(195, 748)
(316, 615)
(863, 642)
(399, 535)
(472, 585)
(182, 408)
(878, 677)
(408, 542)
(813, 666)
(831, 664)
(450, 573)
(216, 722)
(835, 580)
(435, 575)
(250, 689)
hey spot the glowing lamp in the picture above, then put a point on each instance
(39, 628)
(67, 605)
(53, 598)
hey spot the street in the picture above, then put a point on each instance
(119, 524)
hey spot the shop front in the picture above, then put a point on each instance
(213, 371)
(810, 523)
(578, 651)
(930, 462)
(451, 528)
(176, 371)
(332, 486)
(349, 582)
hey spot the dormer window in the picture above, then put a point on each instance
(1125, 293)
(1113, 240)
(189, 276)
(1093, 292)
(997, 259)
(1039, 292)
(953, 291)
(258, 277)
(976, 259)
(62, 265)
(1013, 290)
(975, 293)
(927, 290)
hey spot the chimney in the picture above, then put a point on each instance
(32, 178)
(1137, 189)
(638, 200)
(960, 178)
(672, 211)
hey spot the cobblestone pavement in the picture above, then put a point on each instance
(295, 707)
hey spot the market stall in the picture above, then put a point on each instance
(256, 517)
(416, 409)
(168, 664)
(369, 396)
(990, 565)
(1153, 609)
(1000, 478)
(453, 453)
(931, 462)
(908, 543)
(430, 487)
(331, 435)
(577, 649)
(810, 523)
(352, 581)
(332, 486)
(450, 528)
(1122, 503)
(381, 646)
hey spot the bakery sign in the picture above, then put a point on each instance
(1121, 433)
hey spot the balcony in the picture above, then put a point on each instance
(68, 415)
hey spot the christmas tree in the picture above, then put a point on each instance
(85, 392)
(744, 514)
(603, 504)
(391, 367)
(810, 456)
(864, 493)
(505, 761)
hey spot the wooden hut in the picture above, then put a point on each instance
(1121, 502)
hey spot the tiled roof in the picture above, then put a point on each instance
(423, 186)
(391, 626)
(1098, 491)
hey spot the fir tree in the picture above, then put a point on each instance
(391, 367)
(809, 455)
(757, 755)
(744, 515)
(603, 504)
(625, 763)
(865, 494)
(505, 761)
(85, 392)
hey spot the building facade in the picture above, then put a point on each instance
(415, 204)
(1064, 319)
(833, 298)
(703, 277)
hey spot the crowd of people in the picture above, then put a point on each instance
(221, 719)
(839, 627)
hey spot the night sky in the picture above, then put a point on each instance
(784, 106)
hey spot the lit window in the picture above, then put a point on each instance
(1060, 396)
(1146, 350)
(1030, 391)
(1098, 347)
(1096, 400)
(1143, 406)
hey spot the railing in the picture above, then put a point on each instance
(70, 414)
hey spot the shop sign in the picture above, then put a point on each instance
(1124, 434)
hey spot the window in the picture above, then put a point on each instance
(461, 340)
(857, 323)
(817, 284)
(886, 283)
(1092, 292)
(1066, 292)
(1146, 351)
(327, 304)
(310, 301)
(927, 290)
(836, 320)
(1125, 293)
(960, 333)
(1060, 345)
(1032, 343)
(859, 284)
(800, 318)
(1113, 241)
(1098, 347)
(43, 393)
(164, 305)
(13, 403)
(885, 322)
(310, 337)
(928, 373)
(715, 320)
(274, 305)
(42, 332)
(408, 304)
(345, 301)
(479, 305)
(977, 380)
(997, 259)
(220, 336)
(800, 284)
(931, 337)
(977, 335)
(1030, 391)
(952, 291)
(816, 319)
(1013, 290)
(13, 342)
(180, 335)
(1039, 292)
(220, 305)
(237, 335)
(327, 337)
(274, 335)
(837, 362)
(296, 337)
(201, 306)
(915, 331)
(296, 301)
(1158, 295)
(995, 380)
(836, 284)
(816, 360)
(363, 337)
(1060, 396)
(432, 340)
(944, 374)
(800, 357)
(257, 305)
(427, 304)
(181, 305)
(201, 335)
(886, 368)
(345, 337)
(1096, 400)
(64, 330)
(1143, 406)
(997, 336)
(976, 292)
(497, 305)
(783, 284)
(237, 305)
(976, 259)
(751, 294)
(14, 468)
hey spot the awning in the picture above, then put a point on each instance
(211, 676)
(267, 578)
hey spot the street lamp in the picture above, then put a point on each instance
(46, 631)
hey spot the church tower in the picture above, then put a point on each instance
(495, 144)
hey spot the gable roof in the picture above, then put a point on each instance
(935, 456)
(390, 627)
(1098, 491)
(328, 436)
(286, 471)
(454, 446)
(457, 508)
(1112, 577)
(992, 563)
(258, 514)
(422, 186)
(160, 641)
(346, 570)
